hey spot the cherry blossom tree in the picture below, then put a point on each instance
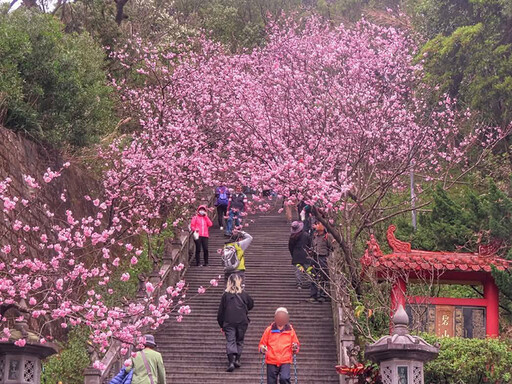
(337, 117)
(61, 272)
(334, 116)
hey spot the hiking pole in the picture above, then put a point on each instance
(262, 369)
(295, 367)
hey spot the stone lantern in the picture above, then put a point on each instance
(401, 355)
(22, 365)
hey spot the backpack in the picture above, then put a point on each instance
(231, 256)
(223, 196)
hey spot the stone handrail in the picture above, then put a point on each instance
(342, 327)
(176, 250)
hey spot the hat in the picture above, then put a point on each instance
(297, 226)
(234, 238)
(150, 341)
(281, 309)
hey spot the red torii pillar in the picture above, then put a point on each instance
(491, 294)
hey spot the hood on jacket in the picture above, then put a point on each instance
(202, 206)
(287, 327)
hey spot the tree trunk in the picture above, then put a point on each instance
(120, 16)
(346, 250)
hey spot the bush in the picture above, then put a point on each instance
(68, 366)
(52, 85)
(470, 361)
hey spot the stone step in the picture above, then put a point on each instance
(194, 350)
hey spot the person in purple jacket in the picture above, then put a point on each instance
(222, 196)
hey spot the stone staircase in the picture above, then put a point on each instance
(194, 350)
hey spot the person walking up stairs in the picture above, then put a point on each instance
(194, 350)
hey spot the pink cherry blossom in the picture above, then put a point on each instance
(179, 267)
(149, 288)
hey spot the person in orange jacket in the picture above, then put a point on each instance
(279, 342)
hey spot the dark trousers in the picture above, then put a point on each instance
(235, 334)
(222, 210)
(320, 282)
(201, 243)
(273, 371)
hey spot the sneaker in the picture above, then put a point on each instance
(312, 300)
(221, 228)
(205, 265)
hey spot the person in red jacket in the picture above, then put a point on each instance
(279, 343)
(200, 226)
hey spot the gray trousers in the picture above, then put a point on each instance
(235, 334)
(302, 278)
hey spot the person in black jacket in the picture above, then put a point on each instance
(233, 319)
(299, 245)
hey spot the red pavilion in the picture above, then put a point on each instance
(405, 265)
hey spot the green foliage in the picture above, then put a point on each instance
(242, 24)
(469, 361)
(237, 24)
(228, 27)
(464, 220)
(117, 291)
(96, 17)
(150, 20)
(68, 366)
(448, 226)
(469, 52)
(52, 84)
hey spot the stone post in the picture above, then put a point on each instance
(92, 376)
(22, 365)
(401, 355)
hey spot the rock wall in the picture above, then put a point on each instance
(20, 156)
